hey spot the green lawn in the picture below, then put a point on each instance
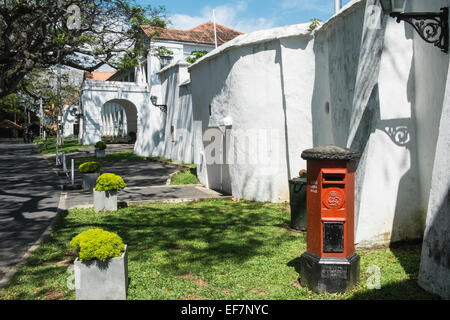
(116, 156)
(215, 249)
(49, 146)
(188, 176)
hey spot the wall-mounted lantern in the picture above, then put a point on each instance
(154, 100)
(74, 112)
(431, 26)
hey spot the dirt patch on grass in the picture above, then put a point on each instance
(296, 283)
(194, 297)
(259, 292)
(179, 247)
(200, 282)
(295, 231)
(187, 276)
(190, 276)
(54, 294)
(63, 263)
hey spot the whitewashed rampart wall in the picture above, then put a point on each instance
(368, 71)
(374, 87)
(177, 144)
(256, 90)
(132, 97)
(432, 111)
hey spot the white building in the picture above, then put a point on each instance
(114, 117)
(167, 46)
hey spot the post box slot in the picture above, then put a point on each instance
(333, 178)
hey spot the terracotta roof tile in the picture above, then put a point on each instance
(203, 33)
(97, 75)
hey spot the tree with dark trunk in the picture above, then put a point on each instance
(82, 34)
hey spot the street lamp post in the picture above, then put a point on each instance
(41, 113)
(432, 27)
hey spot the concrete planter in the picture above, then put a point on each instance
(105, 200)
(89, 181)
(102, 280)
(100, 153)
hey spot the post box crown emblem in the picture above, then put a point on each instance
(334, 199)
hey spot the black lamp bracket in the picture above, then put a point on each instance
(431, 26)
(162, 107)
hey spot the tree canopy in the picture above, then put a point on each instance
(195, 55)
(82, 34)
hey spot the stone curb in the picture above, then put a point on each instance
(131, 203)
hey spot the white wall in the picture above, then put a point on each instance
(68, 121)
(259, 87)
(114, 121)
(431, 107)
(176, 138)
(362, 85)
(363, 99)
(180, 52)
(134, 98)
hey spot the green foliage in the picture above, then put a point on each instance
(9, 105)
(185, 177)
(314, 24)
(90, 167)
(162, 52)
(100, 145)
(157, 22)
(49, 146)
(109, 181)
(196, 55)
(42, 34)
(44, 82)
(98, 244)
(61, 39)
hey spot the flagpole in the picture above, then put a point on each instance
(215, 31)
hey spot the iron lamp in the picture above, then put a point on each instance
(393, 6)
(154, 100)
(431, 26)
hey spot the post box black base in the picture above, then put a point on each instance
(332, 275)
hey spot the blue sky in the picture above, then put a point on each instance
(245, 16)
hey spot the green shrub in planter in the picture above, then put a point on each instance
(90, 167)
(109, 182)
(98, 244)
(100, 145)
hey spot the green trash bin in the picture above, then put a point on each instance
(297, 195)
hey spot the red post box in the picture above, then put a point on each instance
(330, 263)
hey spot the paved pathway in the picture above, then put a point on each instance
(142, 195)
(29, 199)
(145, 180)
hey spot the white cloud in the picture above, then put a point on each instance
(230, 15)
(316, 5)
(184, 22)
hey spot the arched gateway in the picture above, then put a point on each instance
(133, 107)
